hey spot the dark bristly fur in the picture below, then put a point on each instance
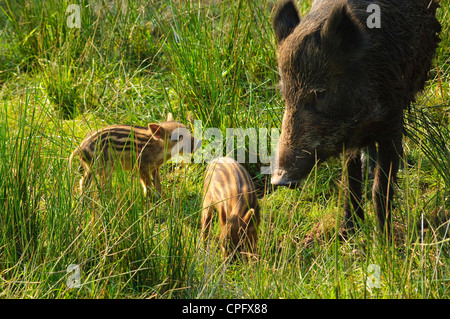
(230, 190)
(132, 147)
(346, 86)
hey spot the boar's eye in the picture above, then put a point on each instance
(314, 100)
(319, 95)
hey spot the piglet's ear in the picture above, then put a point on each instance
(157, 130)
(248, 216)
(169, 117)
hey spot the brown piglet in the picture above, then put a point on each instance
(132, 147)
(229, 189)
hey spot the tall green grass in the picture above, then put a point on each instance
(133, 61)
(116, 238)
(208, 47)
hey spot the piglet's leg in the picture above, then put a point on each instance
(156, 178)
(207, 213)
(146, 181)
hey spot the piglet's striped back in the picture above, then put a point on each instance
(123, 138)
(229, 189)
(228, 180)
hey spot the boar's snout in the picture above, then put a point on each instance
(291, 167)
(280, 178)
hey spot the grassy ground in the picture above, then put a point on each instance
(132, 62)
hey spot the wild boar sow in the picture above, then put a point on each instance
(346, 86)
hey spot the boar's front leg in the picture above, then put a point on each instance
(368, 161)
(353, 212)
(388, 160)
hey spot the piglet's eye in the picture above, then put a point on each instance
(176, 136)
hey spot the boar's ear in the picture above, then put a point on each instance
(341, 31)
(285, 19)
(157, 130)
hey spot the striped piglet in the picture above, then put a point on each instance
(229, 189)
(132, 147)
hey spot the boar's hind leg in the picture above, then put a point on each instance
(389, 155)
(352, 185)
